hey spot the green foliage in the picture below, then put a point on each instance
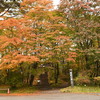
(64, 78)
(81, 89)
(84, 24)
(97, 80)
(25, 90)
(15, 80)
(82, 79)
(11, 78)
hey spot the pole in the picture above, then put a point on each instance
(8, 91)
(71, 78)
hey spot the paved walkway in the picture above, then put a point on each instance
(53, 95)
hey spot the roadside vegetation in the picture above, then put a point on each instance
(81, 89)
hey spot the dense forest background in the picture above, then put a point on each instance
(37, 40)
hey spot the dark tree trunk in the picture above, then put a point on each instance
(34, 67)
(87, 61)
(56, 73)
(31, 80)
(97, 67)
(27, 80)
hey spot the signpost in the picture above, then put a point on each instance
(71, 78)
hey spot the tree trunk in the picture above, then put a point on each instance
(34, 67)
(56, 73)
(87, 61)
(31, 80)
(97, 67)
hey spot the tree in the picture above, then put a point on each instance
(37, 37)
(82, 16)
(9, 7)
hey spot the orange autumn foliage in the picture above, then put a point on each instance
(37, 35)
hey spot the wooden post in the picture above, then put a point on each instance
(8, 91)
(71, 78)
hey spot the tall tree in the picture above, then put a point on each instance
(82, 16)
(37, 37)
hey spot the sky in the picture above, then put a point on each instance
(56, 2)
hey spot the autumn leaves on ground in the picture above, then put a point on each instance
(39, 44)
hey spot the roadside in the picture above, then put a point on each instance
(52, 95)
(48, 92)
(40, 90)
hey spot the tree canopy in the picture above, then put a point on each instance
(43, 39)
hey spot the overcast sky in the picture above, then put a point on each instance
(56, 2)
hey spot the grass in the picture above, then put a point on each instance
(21, 90)
(4, 87)
(81, 89)
(25, 90)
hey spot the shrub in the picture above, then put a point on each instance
(14, 80)
(82, 79)
(64, 77)
(97, 80)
